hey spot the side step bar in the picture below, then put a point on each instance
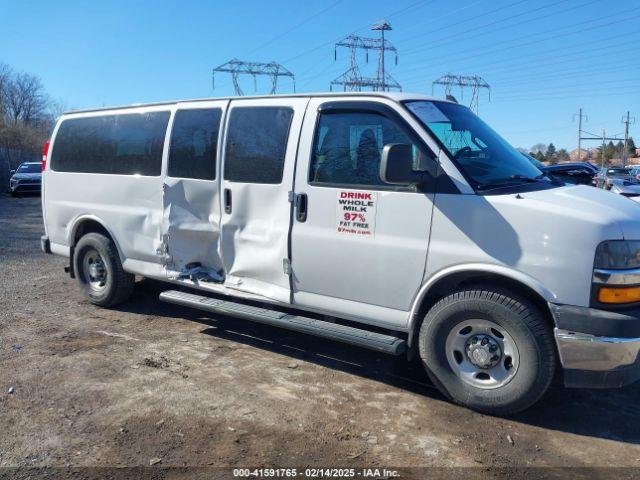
(341, 333)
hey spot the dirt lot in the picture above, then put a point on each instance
(150, 381)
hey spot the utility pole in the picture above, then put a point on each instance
(580, 116)
(625, 152)
(604, 138)
(604, 135)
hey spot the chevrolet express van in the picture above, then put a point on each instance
(388, 221)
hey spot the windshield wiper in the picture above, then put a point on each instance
(513, 179)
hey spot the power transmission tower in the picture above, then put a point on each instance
(580, 116)
(352, 79)
(238, 67)
(625, 153)
(475, 82)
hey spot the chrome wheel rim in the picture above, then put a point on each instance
(482, 353)
(94, 271)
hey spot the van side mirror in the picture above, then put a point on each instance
(11, 172)
(396, 165)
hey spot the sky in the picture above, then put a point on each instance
(544, 59)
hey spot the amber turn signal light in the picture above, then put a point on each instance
(619, 295)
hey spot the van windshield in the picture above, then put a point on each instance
(483, 155)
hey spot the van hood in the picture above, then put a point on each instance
(25, 176)
(614, 213)
(549, 235)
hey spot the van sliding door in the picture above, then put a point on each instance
(259, 158)
(191, 213)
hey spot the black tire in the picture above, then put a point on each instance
(518, 317)
(118, 284)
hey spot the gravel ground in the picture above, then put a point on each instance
(154, 383)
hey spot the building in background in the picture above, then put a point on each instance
(586, 154)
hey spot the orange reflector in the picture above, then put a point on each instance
(619, 295)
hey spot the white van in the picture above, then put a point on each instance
(388, 221)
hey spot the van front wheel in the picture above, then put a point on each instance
(488, 349)
(99, 271)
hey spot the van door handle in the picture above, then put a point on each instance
(301, 207)
(227, 200)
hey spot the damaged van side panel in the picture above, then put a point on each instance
(191, 200)
(257, 175)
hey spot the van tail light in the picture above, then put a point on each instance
(45, 153)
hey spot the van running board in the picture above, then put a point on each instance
(341, 333)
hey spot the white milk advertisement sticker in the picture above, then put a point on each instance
(356, 213)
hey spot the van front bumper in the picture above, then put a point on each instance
(597, 348)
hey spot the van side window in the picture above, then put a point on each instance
(127, 144)
(256, 144)
(348, 147)
(194, 140)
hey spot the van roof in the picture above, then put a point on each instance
(396, 96)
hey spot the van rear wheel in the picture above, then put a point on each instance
(99, 271)
(488, 349)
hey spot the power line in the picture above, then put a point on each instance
(456, 37)
(402, 11)
(421, 25)
(295, 27)
(558, 74)
(571, 88)
(590, 94)
(572, 57)
(484, 52)
(460, 22)
(546, 54)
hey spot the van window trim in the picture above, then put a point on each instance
(378, 108)
(105, 113)
(227, 129)
(218, 141)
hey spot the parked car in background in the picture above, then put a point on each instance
(606, 175)
(26, 178)
(576, 173)
(635, 172)
(629, 188)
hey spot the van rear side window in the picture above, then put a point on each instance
(127, 144)
(194, 140)
(256, 144)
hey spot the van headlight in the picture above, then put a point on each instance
(616, 273)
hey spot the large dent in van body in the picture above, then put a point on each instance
(550, 235)
(192, 222)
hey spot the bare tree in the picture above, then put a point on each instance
(25, 118)
(5, 78)
(27, 101)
